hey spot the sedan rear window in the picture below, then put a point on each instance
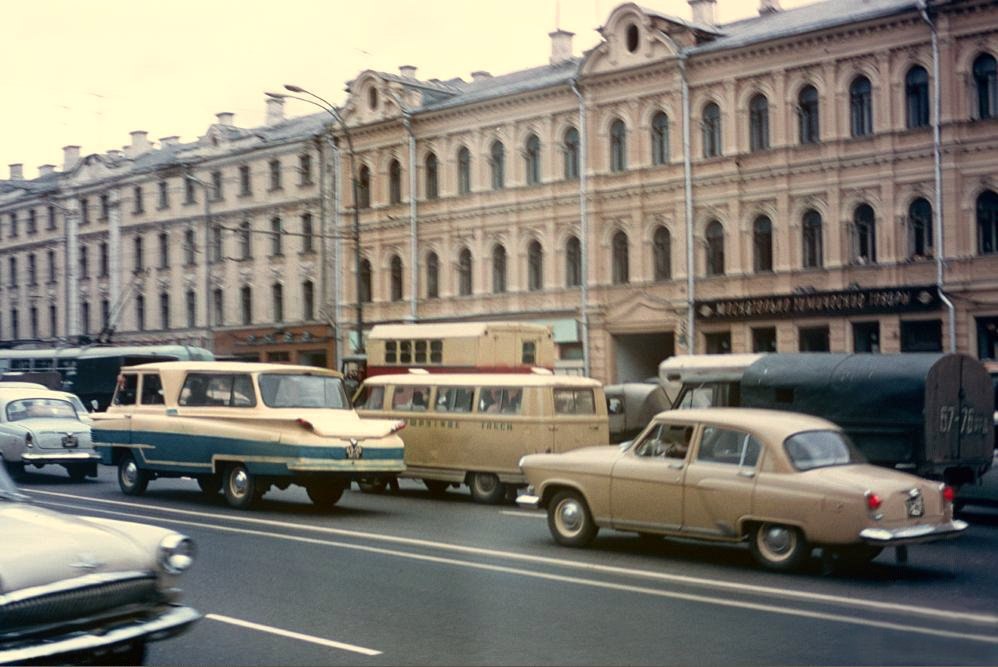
(820, 449)
(39, 408)
(286, 390)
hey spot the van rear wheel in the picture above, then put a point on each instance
(486, 488)
(132, 480)
(240, 487)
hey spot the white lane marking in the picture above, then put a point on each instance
(558, 562)
(292, 635)
(628, 588)
(529, 515)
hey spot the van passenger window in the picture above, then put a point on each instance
(719, 445)
(454, 399)
(152, 390)
(213, 390)
(666, 441)
(508, 401)
(371, 398)
(242, 392)
(436, 351)
(126, 392)
(414, 399)
(529, 352)
(391, 356)
(574, 402)
(420, 354)
(405, 351)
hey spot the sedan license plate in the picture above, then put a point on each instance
(916, 506)
(69, 440)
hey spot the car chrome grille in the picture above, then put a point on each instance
(75, 598)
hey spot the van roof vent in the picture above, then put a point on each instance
(536, 370)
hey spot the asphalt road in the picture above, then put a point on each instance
(404, 579)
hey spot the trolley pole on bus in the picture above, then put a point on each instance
(338, 118)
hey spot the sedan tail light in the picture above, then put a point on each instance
(29, 441)
(948, 493)
(873, 501)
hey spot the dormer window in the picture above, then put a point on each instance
(372, 98)
(632, 38)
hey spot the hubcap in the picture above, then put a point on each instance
(130, 473)
(238, 481)
(570, 516)
(486, 483)
(778, 540)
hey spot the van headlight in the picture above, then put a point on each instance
(176, 553)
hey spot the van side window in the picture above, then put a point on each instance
(697, 397)
(212, 390)
(243, 395)
(371, 398)
(529, 352)
(666, 441)
(505, 400)
(126, 392)
(719, 445)
(391, 356)
(152, 390)
(454, 399)
(574, 402)
(420, 355)
(409, 398)
(436, 351)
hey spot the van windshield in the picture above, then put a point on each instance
(286, 390)
(820, 449)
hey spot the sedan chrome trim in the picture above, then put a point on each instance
(912, 534)
(74, 583)
(172, 621)
(60, 456)
(529, 501)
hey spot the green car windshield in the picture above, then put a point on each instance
(287, 390)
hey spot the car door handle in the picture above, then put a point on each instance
(746, 473)
(677, 466)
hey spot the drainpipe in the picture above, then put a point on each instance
(584, 229)
(337, 247)
(937, 208)
(691, 331)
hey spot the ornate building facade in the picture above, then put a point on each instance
(822, 178)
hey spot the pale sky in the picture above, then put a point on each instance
(88, 72)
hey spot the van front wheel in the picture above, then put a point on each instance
(486, 488)
(240, 486)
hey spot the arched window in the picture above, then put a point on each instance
(920, 228)
(532, 159)
(463, 171)
(762, 244)
(498, 269)
(758, 123)
(807, 109)
(497, 158)
(535, 267)
(621, 268)
(618, 146)
(714, 235)
(660, 139)
(277, 297)
(396, 278)
(394, 182)
(432, 191)
(432, 276)
(573, 262)
(365, 281)
(916, 95)
(812, 256)
(711, 128)
(861, 107)
(570, 147)
(246, 303)
(987, 223)
(662, 254)
(865, 246)
(464, 283)
(308, 300)
(364, 188)
(986, 85)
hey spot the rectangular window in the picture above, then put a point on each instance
(216, 186)
(764, 339)
(32, 221)
(139, 259)
(192, 306)
(245, 184)
(813, 339)
(127, 391)
(152, 390)
(164, 250)
(405, 351)
(138, 206)
(84, 212)
(922, 336)
(275, 175)
(105, 260)
(51, 263)
(391, 352)
(190, 196)
(455, 399)
(419, 354)
(415, 399)
(32, 269)
(206, 390)
(529, 352)
(51, 224)
(13, 225)
(718, 343)
(305, 169)
(217, 304)
(371, 398)
(164, 195)
(307, 233)
(866, 336)
(719, 445)
(501, 400)
(12, 271)
(436, 351)
(276, 237)
(574, 402)
(105, 207)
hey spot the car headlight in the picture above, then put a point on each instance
(176, 553)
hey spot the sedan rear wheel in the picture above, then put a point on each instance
(779, 547)
(570, 521)
(486, 488)
(132, 480)
(240, 487)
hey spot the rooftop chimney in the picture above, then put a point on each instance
(169, 142)
(225, 118)
(70, 156)
(769, 7)
(275, 110)
(17, 172)
(480, 75)
(140, 143)
(561, 46)
(703, 11)
(408, 71)
(46, 169)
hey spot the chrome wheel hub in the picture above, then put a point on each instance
(570, 516)
(130, 473)
(778, 540)
(239, 481)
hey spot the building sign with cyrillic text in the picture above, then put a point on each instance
(874, 301)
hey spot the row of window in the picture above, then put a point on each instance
(915, 336)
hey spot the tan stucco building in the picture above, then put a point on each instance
(793, 156)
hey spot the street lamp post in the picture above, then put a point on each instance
(334, 112)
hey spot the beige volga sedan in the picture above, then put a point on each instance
(785, 482)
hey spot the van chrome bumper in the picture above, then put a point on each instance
(912, 534)
(173, 620)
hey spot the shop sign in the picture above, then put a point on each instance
(873, 301)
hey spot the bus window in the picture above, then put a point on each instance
(414, 399)
(152, 390)
(405, 351)
(529, 352)
(496, 399)
(43, 364)
(371, 398)
(436, 351)
(420, 352)
(574, 402)
(20, 364)
(391, 356)
(455, 399)
(126, 391)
